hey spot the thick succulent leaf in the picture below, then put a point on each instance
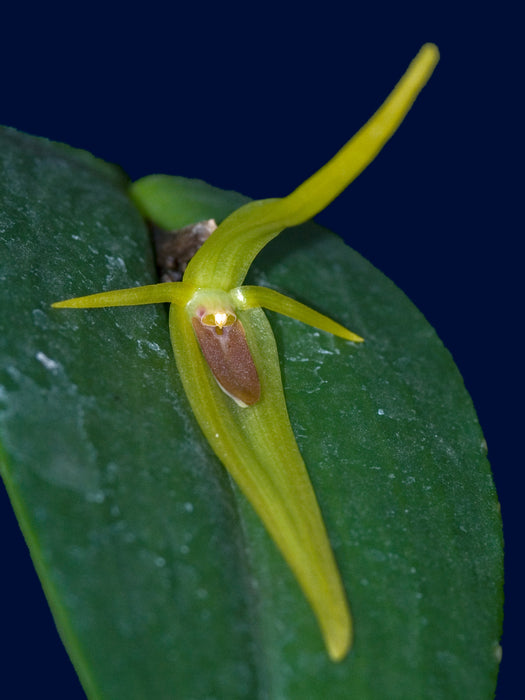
(162, 580)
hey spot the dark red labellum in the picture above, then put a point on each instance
(229, 358)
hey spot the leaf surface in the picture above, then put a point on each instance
(162, 581)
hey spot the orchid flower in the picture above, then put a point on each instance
(227, 357)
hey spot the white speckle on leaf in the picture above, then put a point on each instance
(147, 346)
(95, 497)
(39, 318)
(48, 363)
(115, 266)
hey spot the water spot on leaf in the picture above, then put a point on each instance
(47, 362)
(40, 319)
(95, 497)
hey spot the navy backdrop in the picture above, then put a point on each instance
(255, 98)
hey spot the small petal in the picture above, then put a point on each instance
(173, 292)
(248, 297)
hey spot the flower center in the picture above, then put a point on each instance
(219, 319)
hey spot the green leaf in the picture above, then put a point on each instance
(162, 581)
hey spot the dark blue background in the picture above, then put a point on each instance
(255, 98)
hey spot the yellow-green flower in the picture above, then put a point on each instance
(227, 357)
